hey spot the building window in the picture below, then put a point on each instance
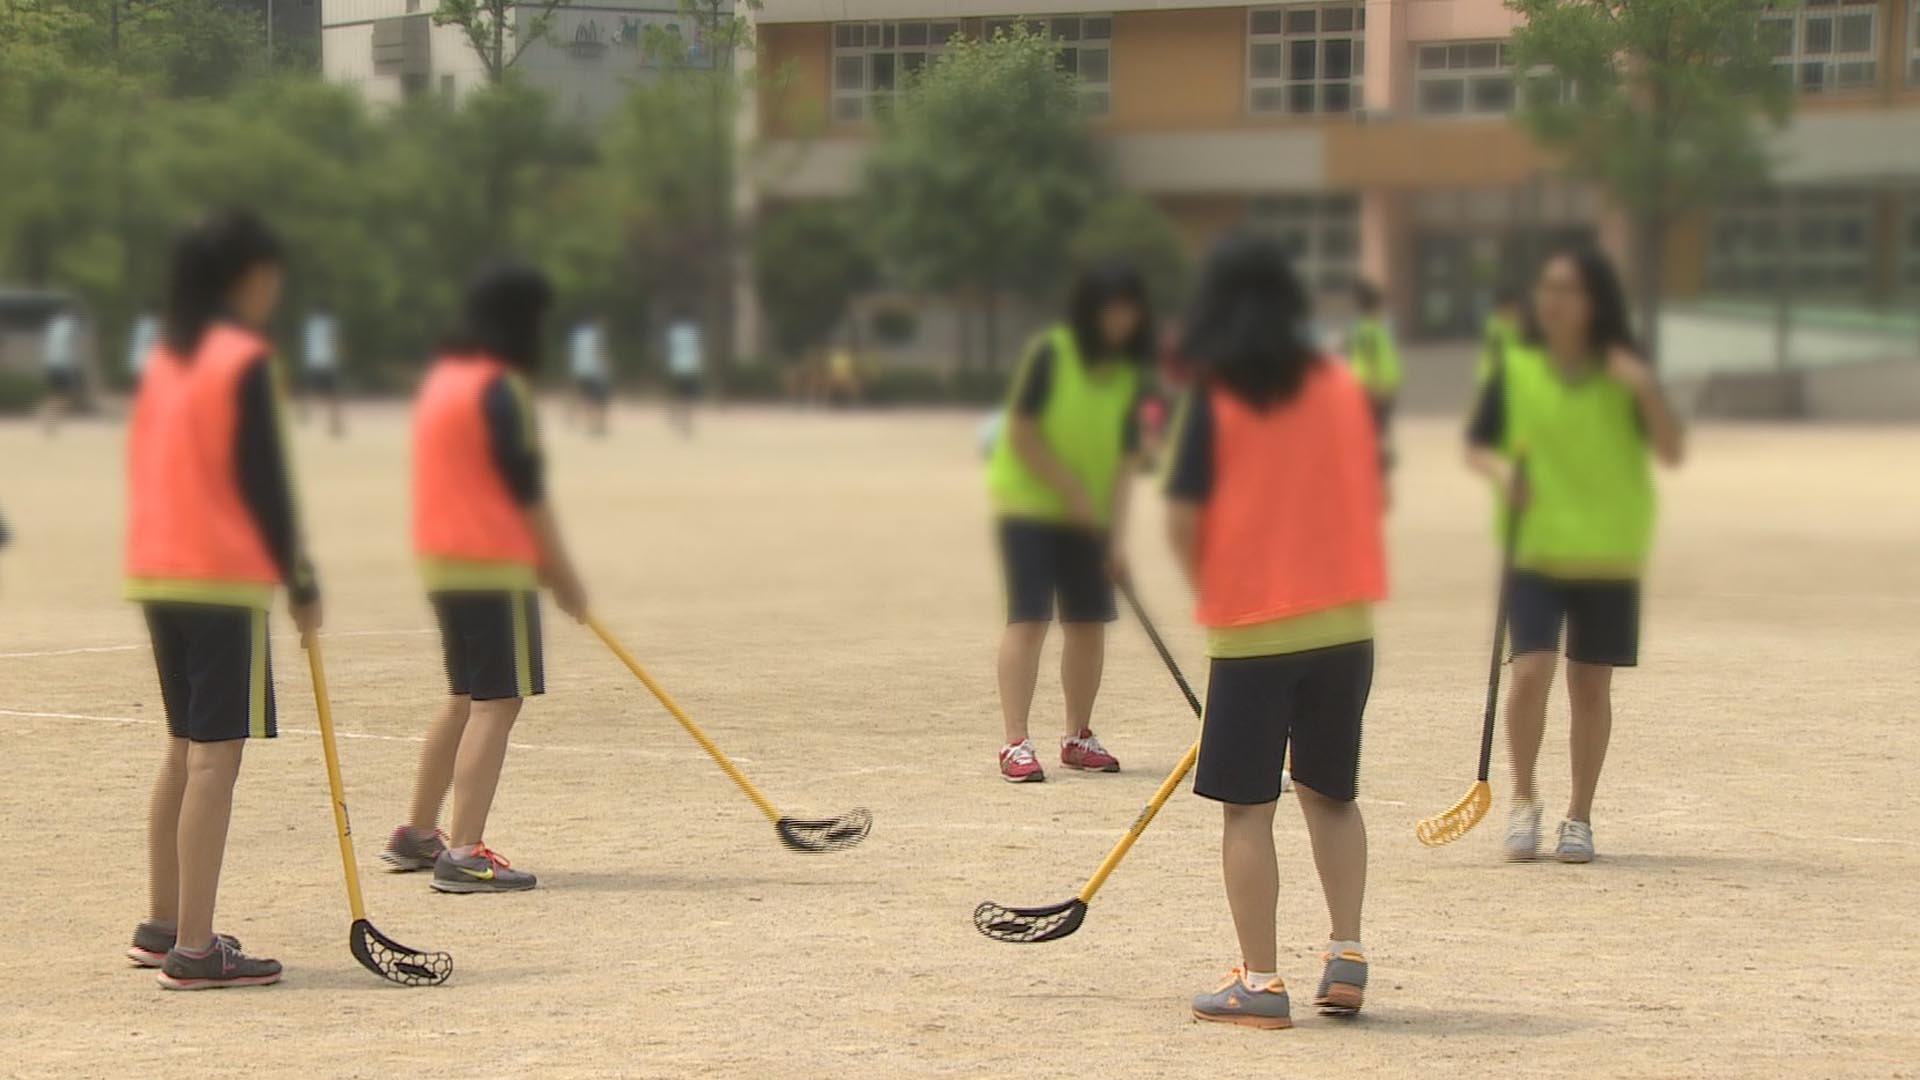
(1827, 44)
(871, 59)
(1086, 50)
(1913, 45)
(1306, 58)
(1812, 240)
(1463, 78)
(1320, 233)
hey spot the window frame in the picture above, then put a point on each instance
(1825, 267)
(1799, 56)
(1321, 233)
(879, 37)
(1466, 74)
(1274, 94)
(1098, 96)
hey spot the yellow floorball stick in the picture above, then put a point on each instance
(811, 835)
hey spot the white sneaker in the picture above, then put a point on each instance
(1576, 842)
(1523, 831)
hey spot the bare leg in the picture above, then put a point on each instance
(163, 835)
(1590, 692)
(476, 768)
(435, 771)
(336, 416)
(1083, 656)
(1527, 717)
(1019, 672)
(205, 809)
(1253, 881)
(1339, 837)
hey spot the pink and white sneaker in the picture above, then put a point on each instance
(1084, 752)
(1019, 764)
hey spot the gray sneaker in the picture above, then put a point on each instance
(152, 942)
(408, 851)
(1235, 1002)
(221, 966)
(1576, 842)
(1343, 984)
(1523, 831)
(478, 872)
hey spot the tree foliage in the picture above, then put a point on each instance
(809, 261)
(498, 31)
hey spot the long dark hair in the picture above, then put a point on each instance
(502, 312)
(1248, 326)
(209, 258)
(1098, 285)
(1609, 321)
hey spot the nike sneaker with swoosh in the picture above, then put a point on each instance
(478, 871)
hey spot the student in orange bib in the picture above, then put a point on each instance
(211, 533)
(486, 538)
(1275, 504)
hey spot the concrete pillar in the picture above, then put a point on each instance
(747, 343)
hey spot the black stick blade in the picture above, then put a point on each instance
(395, 962)
(817, 835)
(1029, 926)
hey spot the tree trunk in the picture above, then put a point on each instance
(991, 306)
(497, 63)
(1650, 280)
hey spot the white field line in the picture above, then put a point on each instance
(137, 648)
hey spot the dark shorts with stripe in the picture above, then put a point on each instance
(490, 643)
(1042, 560)
(1602, 618)
(1259, 705)
(216, 674)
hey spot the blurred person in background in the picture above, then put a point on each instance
(587, 363)
(60, 359)
(1059, 475)
(141, 339)
(323, 368)
(1375, 358)
(1501, 332)
(1570, 421)
(487, 539)
(686, 369)
(843, 377)
(212, 530)
(1275, 501)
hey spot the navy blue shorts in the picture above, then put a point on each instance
(1602, 618)
(1258, 706)
(1044, 560)
(490, 642)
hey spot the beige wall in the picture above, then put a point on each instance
(1179, 70)
(795, 91)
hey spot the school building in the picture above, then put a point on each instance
(1377, 138)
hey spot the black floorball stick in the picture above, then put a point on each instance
(1034, 925)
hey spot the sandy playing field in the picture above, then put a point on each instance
(819, 591)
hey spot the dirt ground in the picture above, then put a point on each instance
(819, 591)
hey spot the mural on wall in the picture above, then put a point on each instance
(588, 35)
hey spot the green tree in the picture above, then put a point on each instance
(809, 262)
(1659, 101)
(983, 169)
(499, 31)
(1131, 228)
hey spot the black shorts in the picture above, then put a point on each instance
(686, 387)
(490, 644)
(324, 383)
(63, 382)
(594, 390)
(1043, 559)
(1602, 618)
(216, 672)
(1257, 705)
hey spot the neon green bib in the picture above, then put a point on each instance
(1591, 509)
(1375, 360)
(1082, 423)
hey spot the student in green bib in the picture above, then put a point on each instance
(1580, 414)
(1059, 474)
(1501, 332)
(1374, 357)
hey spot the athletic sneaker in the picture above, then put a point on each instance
(221, 966)
(476, 872)
(1343, 984)
(1576, 842)
(1020, 765)
(1523, 831)
(152, 942)
(1236, 1002)
(1084, 752)
(408, 851)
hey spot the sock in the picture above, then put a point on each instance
(1335, 948)
(462, 852)
(197, 953)
(1259, 980)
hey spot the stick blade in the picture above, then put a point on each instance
(1029, 926)
(1457, 820)
(395, 962)
(820, 835)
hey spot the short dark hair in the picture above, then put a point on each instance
(209, 258)
(1610, 322)
(501, 315)
(1366, 295)
(1248, 328)
(1098, 285)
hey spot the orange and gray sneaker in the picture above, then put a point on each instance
(477, 870)
(1019, 764)
(1238, 1001)
(221, 966)
(152, 942)
(408, 850)
(1343, 983)
(1084, 752)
